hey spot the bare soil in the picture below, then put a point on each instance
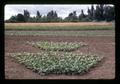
(103, 46)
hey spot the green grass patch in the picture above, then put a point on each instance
(57, 62)
(57, 46)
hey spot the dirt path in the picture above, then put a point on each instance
(104, 46)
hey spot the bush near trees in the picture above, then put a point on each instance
(99, 13)
(12, 19)
(72, 17)
(20, 18)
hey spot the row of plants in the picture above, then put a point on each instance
(35, 27)
(50, 62)
(60, 33)
(57, 46)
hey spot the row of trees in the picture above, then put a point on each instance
(101, 13)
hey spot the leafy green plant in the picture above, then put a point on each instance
(57, 62)
(34, 27)
(57, 46)
(59, 33)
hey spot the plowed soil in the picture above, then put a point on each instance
(103, 46)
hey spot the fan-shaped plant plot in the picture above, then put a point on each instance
(57, 62)
(57, 46)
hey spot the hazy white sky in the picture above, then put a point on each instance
(62, 10)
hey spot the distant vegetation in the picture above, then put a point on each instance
(99, 13)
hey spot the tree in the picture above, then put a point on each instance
(26, 15)
(109, 13)
(82, 15)
(72, 17)
(38, 14)
(91, 13)
(55, 14)
(52, 16)
(20, 18)
(75, 18)
(104, 13)
(99, 12)
(38, 17)
(12, 19)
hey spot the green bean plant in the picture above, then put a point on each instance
(57, 46)
(51, 62)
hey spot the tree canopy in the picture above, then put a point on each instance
(99, 13)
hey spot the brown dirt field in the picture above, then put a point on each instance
(59, 24)
(104, 46)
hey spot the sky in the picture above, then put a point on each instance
(62, 10)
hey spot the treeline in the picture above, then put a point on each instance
(99, 13)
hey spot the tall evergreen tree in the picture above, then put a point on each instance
(38, 17)
(52, 16)
(38, 14)
(82, 15)
(75, 18)
(26, 15)
(92, 12)
(99, 12)
(55, 15)
(89, 14)
(109, 13)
